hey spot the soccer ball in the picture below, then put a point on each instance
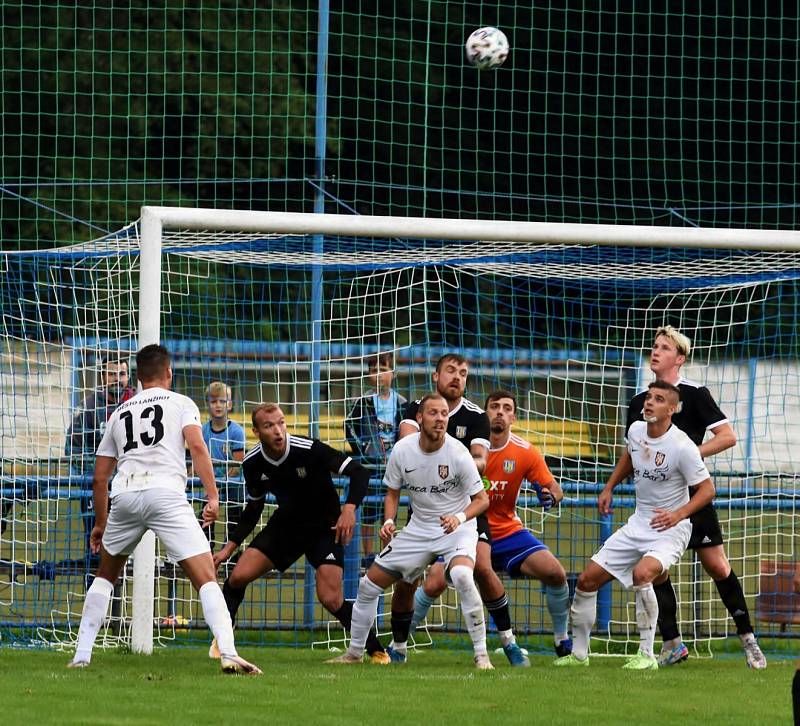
(487, 48)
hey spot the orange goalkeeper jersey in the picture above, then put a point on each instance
(505, 470)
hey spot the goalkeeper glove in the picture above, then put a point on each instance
(545, 497)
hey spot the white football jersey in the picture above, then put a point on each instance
(439, 483)
(663, 468)
(145, 435)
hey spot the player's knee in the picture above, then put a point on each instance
(238, 580)
(718, 568)
(586, 583)
(484, 572)
(435, 586)
(642, 575)
(462, 577)
(554, 575)
(367, 589)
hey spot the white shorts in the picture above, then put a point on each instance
(416, 547)
(624, 549)
(166, 512)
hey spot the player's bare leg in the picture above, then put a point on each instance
(202, 574)
(716, 564)
(252, 564)
(544, 566)
(95, 606)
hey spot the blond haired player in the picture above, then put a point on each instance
(511, 461)
(446, 492)
(698, 416)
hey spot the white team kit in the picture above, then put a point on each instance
(439, 483)
(148, 491)
(663, 470)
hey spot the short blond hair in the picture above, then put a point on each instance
(681, 342)
(218, 388)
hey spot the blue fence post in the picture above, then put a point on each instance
(320, 144)
(604, 596)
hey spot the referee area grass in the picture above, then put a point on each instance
(436, 686)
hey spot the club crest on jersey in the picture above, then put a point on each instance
(444, 470)
(660, 456)
(509, 465)
(461, 432)
(301, 472)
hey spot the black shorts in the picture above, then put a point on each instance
(706, 531)
(484, 533)
(285, 539)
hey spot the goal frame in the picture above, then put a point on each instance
(155, 219)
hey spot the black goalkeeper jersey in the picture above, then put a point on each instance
(699, 411)
(467, 422)
(301, 483)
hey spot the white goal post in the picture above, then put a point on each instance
(156, 220)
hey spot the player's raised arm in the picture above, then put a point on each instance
(722, 438)
(408, 423)
(203, 468)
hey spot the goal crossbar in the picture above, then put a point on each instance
(349, 225)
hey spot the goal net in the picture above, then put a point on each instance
(291, 310)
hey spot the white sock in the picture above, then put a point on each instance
(747, 638)
(471, 606)
(646, 616)
(217, 617)
(506, 637)
(365, 610)
(584, 611)
(95, 607)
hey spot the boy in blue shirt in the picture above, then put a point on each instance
(225, 440)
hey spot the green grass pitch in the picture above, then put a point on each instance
(438, 686)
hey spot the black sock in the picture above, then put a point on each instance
(233, 598)
(667, 610)
(345, 616)
(401, 624)
(796, 697)
(730, 590)
(498, 609)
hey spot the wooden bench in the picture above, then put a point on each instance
(776, 601)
